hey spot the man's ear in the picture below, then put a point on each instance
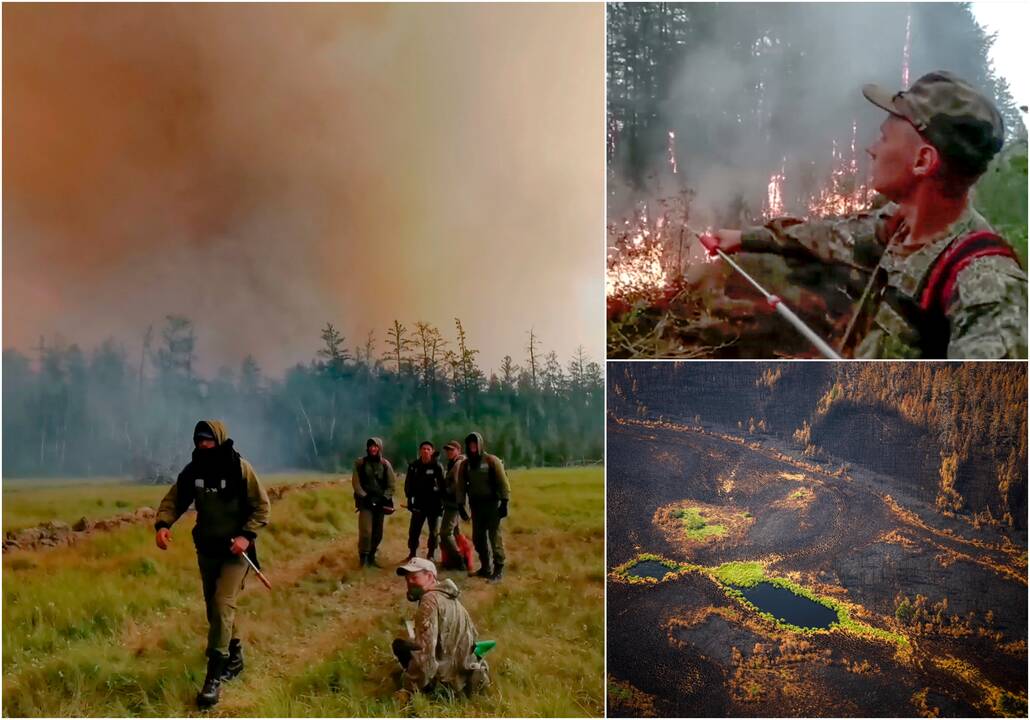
(927, 162)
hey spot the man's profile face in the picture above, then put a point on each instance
(418, 582)
(425, 453)
(895, 155)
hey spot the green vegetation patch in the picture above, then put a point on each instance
(623, 573)
(696, 526)
(749, 574)
(742, 574)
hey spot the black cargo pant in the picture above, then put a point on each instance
(486, 532)
(418, 519)
(223, 578)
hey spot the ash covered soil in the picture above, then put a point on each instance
(689, 650)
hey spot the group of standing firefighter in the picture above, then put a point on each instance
(473, 485)
(232, 506)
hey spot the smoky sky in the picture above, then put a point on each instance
(266, 169)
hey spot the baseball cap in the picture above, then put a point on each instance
(453, 445)
(957, 119)
(415, 565)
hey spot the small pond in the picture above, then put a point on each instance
(649, 568)
(788, 607)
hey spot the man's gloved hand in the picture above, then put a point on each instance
(164, 537)
(463, 514)
(502, 509)
(726, 240)
(239, 545)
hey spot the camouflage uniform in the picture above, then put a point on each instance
(877, 263)
(443, 650)
(987, 314)
(373, 481)
(230, 502)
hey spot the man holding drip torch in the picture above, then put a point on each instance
(930, 277)
(231, 507)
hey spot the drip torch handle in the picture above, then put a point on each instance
(784, 311)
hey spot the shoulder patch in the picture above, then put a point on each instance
(991, 279)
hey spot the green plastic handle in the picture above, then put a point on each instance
(483, 647)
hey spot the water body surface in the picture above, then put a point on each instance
(788, 607)
(649, 568)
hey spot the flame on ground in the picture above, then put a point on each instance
(844, 193)
(774, 199)
(635, 264)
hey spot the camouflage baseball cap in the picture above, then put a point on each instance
(956, 118)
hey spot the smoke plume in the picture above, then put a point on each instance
(264, 169)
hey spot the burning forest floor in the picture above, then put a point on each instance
(931, 615)
(666, 298)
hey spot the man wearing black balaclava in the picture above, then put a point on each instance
(231, 507)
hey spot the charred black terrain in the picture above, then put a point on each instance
(898, 492)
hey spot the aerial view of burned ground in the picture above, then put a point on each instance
(817, 539)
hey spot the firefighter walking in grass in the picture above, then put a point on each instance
(373, 481)
(231, 507)
(481, 479)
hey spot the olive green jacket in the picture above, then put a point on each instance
(482, 480)
(373, 479)
(229, 504)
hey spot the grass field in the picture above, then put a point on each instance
(112, 626)
(31, 502)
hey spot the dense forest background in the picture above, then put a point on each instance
(109, 411)
(953, 434)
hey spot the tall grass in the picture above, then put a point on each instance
(113, 627)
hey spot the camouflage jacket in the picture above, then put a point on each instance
(446, 640)
(987, 314)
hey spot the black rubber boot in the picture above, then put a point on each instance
(483, 572)
(498, 573)
(208, 695)
(234, 666)
(371, 560)
(363, 559)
